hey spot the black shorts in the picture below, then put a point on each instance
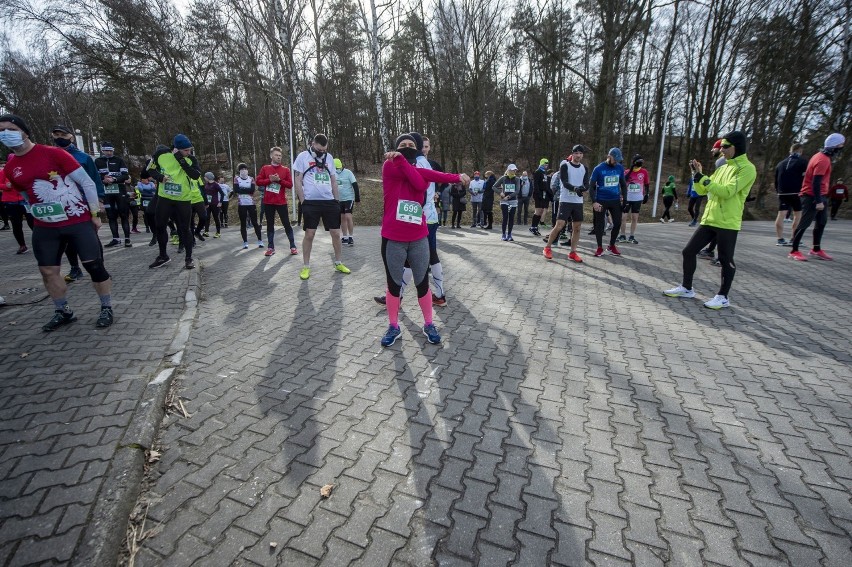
(328, 211)
(346, 207)
(542, 202)
(49, 243)
(788, 202)
(570, 212)
(634, 206)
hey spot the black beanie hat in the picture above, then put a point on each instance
(17, 121)
(738, 140)
(418, 139)
(403, 137)
(637, 159)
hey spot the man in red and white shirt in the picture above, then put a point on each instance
(276, 181)
(64, 203)
(814, 195)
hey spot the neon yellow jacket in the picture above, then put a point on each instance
(179, 186)
(726, 192)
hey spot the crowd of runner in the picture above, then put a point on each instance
(61, 192)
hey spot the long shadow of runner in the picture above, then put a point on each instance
(484, 450)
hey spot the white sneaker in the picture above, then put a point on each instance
(2, 301)
(718, 302)
(680, 291)
(260, 243)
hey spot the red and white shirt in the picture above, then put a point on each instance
(44, 173)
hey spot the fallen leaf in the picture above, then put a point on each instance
(24, 354)
(273, 544)
(325, 491)
(153, 456)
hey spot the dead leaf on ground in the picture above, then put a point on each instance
(153, 456)
(24, 354)
(325, 491)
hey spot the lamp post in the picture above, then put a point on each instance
(666, 105)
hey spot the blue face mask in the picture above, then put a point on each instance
(11, 138)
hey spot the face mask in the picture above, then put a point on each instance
(410, 154)
(319, 157)
(62, 142)
(12, 138)
(243, 174)
(476, 177)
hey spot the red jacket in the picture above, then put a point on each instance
(9, 195)
(276, 193)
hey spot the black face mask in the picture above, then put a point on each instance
(319, 157)
(62, 142)
(410, 154)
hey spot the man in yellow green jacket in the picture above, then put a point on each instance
(726, 192)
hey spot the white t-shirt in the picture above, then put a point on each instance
(316, 182)
(576, 176)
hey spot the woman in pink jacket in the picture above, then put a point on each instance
(404, 231)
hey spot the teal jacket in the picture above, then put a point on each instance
(726, 192)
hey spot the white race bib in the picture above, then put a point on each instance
(634, 189)
(246, 200)
(111, 189)
(274, 188)
(509, 188)
(322, 178)
(611, 180)
(409, 211)
(49, 212)
(839, 191)
(173, 189)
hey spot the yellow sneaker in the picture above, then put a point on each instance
(341, 268)
(305, 273)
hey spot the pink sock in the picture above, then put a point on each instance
(426, 308)
(392, 304)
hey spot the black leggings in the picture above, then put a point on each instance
(694, 207)
(134, 215)
(248, 212)
(17, 213)
(225, 211)
(270, 224)
(181, 212)
(118, 208)
(809, 214)
(726, 241)
(199, 210)
(599, 220)
(668, 200)
(835, 206)
(213, 213)
(456, 220)
(148, 215)
(508, 211)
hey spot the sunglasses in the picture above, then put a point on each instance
(726, 146)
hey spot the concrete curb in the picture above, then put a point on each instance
(105, 533)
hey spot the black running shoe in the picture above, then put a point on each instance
(105, 318)
(190, 265)
(112, 243)
(59, 319)
(380, 299)
(153, 240)
(160, 261)
(127, 243)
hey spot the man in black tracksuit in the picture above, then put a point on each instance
(789, 175)
(114, 175)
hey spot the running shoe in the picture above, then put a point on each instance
(180, 249)
(245, 245)
(293, 251)
(503, 238)
(189, 265)
(341, 268)
(545, 239)
(548, 253)
(22, 249)
(705, 254)
(820, 254)
(351, 241)
(112, 243)
(716, 262)
(509, 238)
(205, 234)
(608, 227)
(6, 227)
(622, 238)
(391, 335)
(135, 231)
(160, 261)
(693, 223)
(305, 273)
(680, 291)
(217, 235)
(591, 231)
(380, 299)
(599, 252)
(781, 242)
(575, 257)
(632, 240)
(439, 301)
(59, 319)
(127, 243)
(671, 220)
(718, 302)
(613, 250)
(75, 274)
(153, 240)
(788, 220)
(431, 333)
(175, 239)
(105, 318)
(269, 252)
(200, 236)
(260, 243)
(662, 220)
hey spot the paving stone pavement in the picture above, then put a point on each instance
(68, 401)
(573, 415)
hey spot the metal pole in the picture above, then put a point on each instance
(230, 155)
(660, 162)
(293, 214)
